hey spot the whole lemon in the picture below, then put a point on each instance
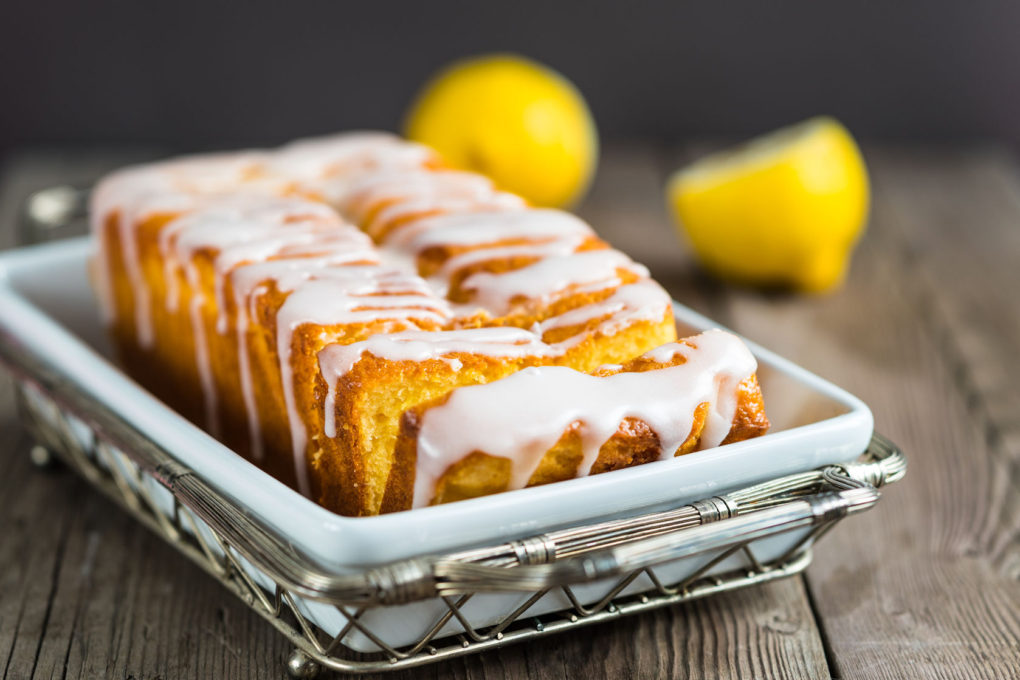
(522, 124)
(784, 210)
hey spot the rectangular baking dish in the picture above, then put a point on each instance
(46, 303)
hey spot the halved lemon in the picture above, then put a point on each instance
(783, 210)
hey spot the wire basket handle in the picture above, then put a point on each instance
(570, 556)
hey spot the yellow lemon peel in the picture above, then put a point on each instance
(522, 124)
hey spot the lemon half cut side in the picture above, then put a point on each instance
(784, 210)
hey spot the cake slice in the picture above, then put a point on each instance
(370, 385)
(551, 423)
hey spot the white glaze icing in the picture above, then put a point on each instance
(542, 281)
(471, 258)
(521, 416)
(491, 228)
(240, 229)
(321, 166)
(548, 239)
(346, 154)
(409, 208)
(391, 185)
(232, 206)
(234, 230)
(333, 248)
(336, 361)
(170, 187)
(663, 354)
(246, 281)
(389, 299)
(332, 167)
(641, 301)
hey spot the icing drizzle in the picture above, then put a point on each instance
(281, 220)
(546, 400)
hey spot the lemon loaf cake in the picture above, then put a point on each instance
(331, 309)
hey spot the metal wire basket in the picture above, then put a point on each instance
(277, 581)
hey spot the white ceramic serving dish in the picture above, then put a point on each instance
(46, 300)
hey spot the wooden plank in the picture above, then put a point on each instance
(958, 223)
(100, 597)
(89, 593)
(28, 577)
(925, 332)
(752, 634)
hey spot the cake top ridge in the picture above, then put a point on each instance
(479, 247)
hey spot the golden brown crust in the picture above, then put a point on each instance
(355, 467)
(342, 477)
(369, 465)
(750, 420)
(633, 443)
(176, 380)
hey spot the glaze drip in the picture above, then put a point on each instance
(546, 400)
(366, 241)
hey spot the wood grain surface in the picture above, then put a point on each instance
(927, 585)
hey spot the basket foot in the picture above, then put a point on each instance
(301, 667)
(41, 456)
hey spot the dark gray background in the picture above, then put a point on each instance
(190, 74)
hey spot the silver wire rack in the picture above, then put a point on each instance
(628, 555)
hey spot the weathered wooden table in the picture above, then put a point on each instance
(926, 331)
